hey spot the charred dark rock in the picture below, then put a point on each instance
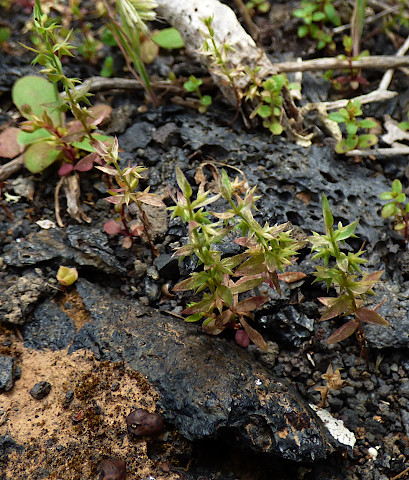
(7, 373)
(40, 390)
(113, 469)
(188, 369)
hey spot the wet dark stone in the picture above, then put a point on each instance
(290, 325)
(50, 328)
(167, 266)
(187, 369)
(112, 469)
(69, 396)
(136, 136)
(167, 135)
(40, 390)
(141, 423)
(83, 246)
(7, 373)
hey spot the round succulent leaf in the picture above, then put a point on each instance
(389, 210)
(386, 196)
(264, 111)
(169, 38)
(366, 123)
(303, 32)
(347, 144)
(26, 138)
(396, 186)
(351, 127)
(36, 92)
(276, 128)
(367, 140)
(206, 100)
(39, 156)
(400, 198)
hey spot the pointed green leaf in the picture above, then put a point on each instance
(328, 218)
(389, 210)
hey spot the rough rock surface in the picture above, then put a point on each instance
(205, 385)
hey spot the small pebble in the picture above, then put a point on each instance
(40, 390)
(115, 386)
(113, 469)
(140, 422)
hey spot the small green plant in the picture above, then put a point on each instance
(404, 125)
(353, 76)
(127, 179)
(270, 97)
(259, 6)
(219, 55)
(45, 136)
(127, 32)
(397, 208)
(316, 14)
(348, 116)
(268, 249)
(343, 276)
(66, 276)
(193, 85)
(107, 69)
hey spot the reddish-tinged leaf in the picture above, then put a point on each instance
(200, 307)
(244, 285)
(252, 266)
(116, 199)
(370, 316)
(138, 230)
(9, 146)
(290, 277)
(242, 338)
(255, 337)
(327, 301)
(151, 199)
(75, 136)
(372, 278)
(244, 241)
(108, 170)
(184, 285)
(223, 215)
(65, 169)
(251, 304)
(183, 251)
(340, 306)
(273, 277)
(343, 332)
(112, 227)
(86, 163)
(210, 327)
(98, 113)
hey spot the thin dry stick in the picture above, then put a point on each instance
(252, 27)
(10, 168)
(368, 20)
(377, 62)
(386, 79)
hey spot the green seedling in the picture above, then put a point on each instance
(397, 208)
(343, 276)
(348, 116)
(221, 281)
(126, 192)
(66, 276)
(219, 55)
(270, 96)
(259, 6)
(193, 85)
(353, 76)
(404, 125)
(107, 69)
(316, 14)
